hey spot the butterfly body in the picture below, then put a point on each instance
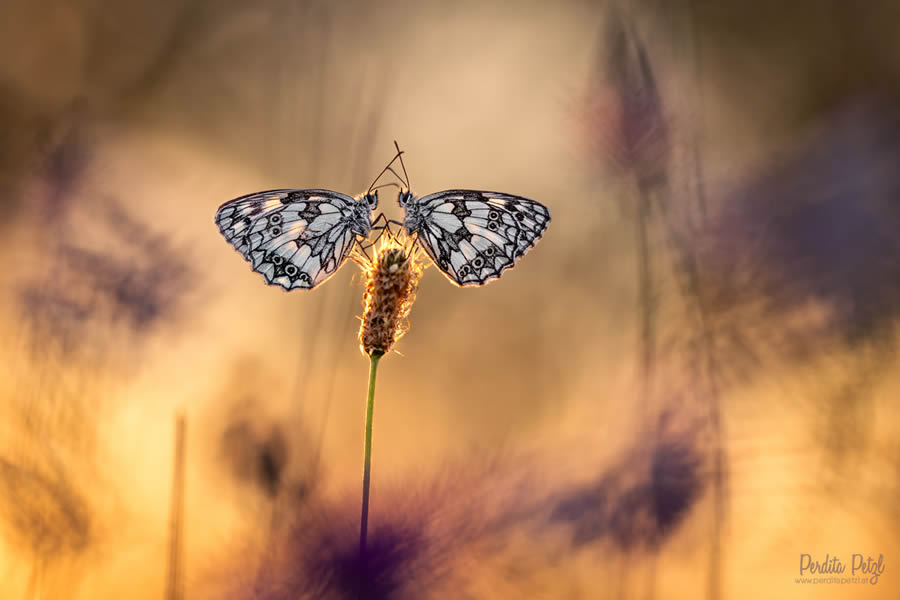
(296, 238)
(472, 235)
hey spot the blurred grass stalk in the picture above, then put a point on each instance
(175, 583)
(631, 129)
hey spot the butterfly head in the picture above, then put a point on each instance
(404, 197)
(370, 200)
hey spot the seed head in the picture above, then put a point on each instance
(392, 277)
(624, 109)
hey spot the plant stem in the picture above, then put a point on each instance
(367, 469)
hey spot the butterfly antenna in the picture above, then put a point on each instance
(398, 176)
(386, 169)
(399, 153)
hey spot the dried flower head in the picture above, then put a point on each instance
(392, 277)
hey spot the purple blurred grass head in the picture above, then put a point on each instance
(639, 501)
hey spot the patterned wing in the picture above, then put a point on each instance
(295, 238)
(473, 236)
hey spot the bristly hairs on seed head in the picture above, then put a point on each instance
(392, 278)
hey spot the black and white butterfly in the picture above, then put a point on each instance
(299, 238)
(472, 235)
(296, 238)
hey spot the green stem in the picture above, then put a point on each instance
(367, 469)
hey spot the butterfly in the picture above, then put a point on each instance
(297, 238)
(471, 235)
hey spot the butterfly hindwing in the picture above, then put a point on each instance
(295, 238)
(473, 236)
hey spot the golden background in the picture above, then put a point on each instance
(687, 384)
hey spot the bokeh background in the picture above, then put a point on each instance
(687, 384)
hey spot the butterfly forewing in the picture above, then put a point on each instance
(473, 236)
(295, 238)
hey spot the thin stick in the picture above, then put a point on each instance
(175, 584)
(367, 469)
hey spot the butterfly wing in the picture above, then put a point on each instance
(295, 238)
(473, 236)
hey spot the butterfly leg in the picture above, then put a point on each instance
(378, 219)
(380, 228)
(386, 226)
(363, 245)
(412, 241)
(399, 225)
